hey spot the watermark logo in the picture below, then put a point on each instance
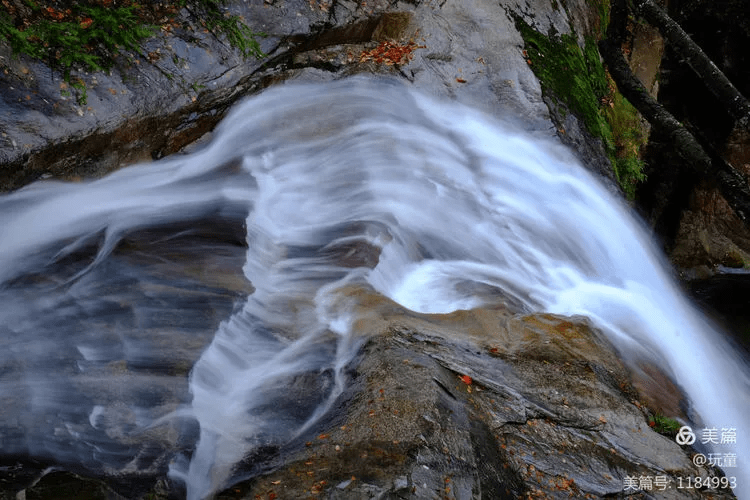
(685, 436)
(716, 437)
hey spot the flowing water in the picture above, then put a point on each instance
(361, 182)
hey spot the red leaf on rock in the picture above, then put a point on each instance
(466, 379)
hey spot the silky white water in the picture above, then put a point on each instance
(354, 182)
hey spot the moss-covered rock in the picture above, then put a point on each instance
(574, 79)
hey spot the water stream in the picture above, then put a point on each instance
(355, 182)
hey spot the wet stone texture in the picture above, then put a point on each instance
(508, 406)
(146, 313)
(540, 408)
(478, 404)
(465, 50)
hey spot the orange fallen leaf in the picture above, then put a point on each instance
(466, 379)
(460, 80)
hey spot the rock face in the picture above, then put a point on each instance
(480, 404)
(475, 404)
(483, 404)
(469, 51)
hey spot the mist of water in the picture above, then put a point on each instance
(355, 182)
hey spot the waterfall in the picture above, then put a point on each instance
(358, 182)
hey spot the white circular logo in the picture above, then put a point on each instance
(685, 436)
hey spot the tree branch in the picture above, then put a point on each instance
(731, 183)
(718, 84)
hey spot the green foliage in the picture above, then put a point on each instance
(629, 171)
(91, 37)
(80, 87)
(238, 34)
(576, 77)
(87, 37)
(213, 18)
(18, 40)
(630, 136)
(664, 425)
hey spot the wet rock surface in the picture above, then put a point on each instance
(468, 51)
(724, 297)
(531, 407)
(475, 404)
(154, 307)
(479, 404)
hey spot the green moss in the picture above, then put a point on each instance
(576, 78)
(602, 7)
(630, 136)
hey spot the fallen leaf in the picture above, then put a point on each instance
(465, 379)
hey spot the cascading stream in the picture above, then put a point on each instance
(358, 182)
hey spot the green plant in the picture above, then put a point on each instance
(629, 172)
(664, 425)
(211, 14)
(85, 37)
(603, 7)
(82, 95)
(90, 37)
